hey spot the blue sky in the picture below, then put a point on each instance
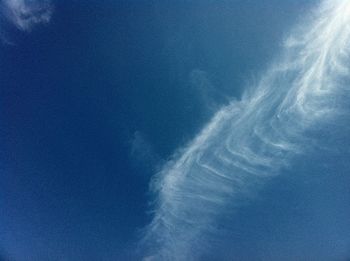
(95, 97)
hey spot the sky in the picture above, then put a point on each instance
(101, 100)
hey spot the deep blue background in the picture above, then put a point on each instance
(94, 102)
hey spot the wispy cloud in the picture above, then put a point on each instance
(252, 140)
(25, 14)
(206, 93)
(142, 151)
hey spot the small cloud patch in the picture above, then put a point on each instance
(25, 14)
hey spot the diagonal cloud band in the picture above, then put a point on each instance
(254, 139)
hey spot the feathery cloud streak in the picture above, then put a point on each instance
(252, 140)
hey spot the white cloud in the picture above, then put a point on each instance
(250, 141)
(25, 14)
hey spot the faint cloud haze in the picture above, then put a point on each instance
(205, 90)
(142, 151)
